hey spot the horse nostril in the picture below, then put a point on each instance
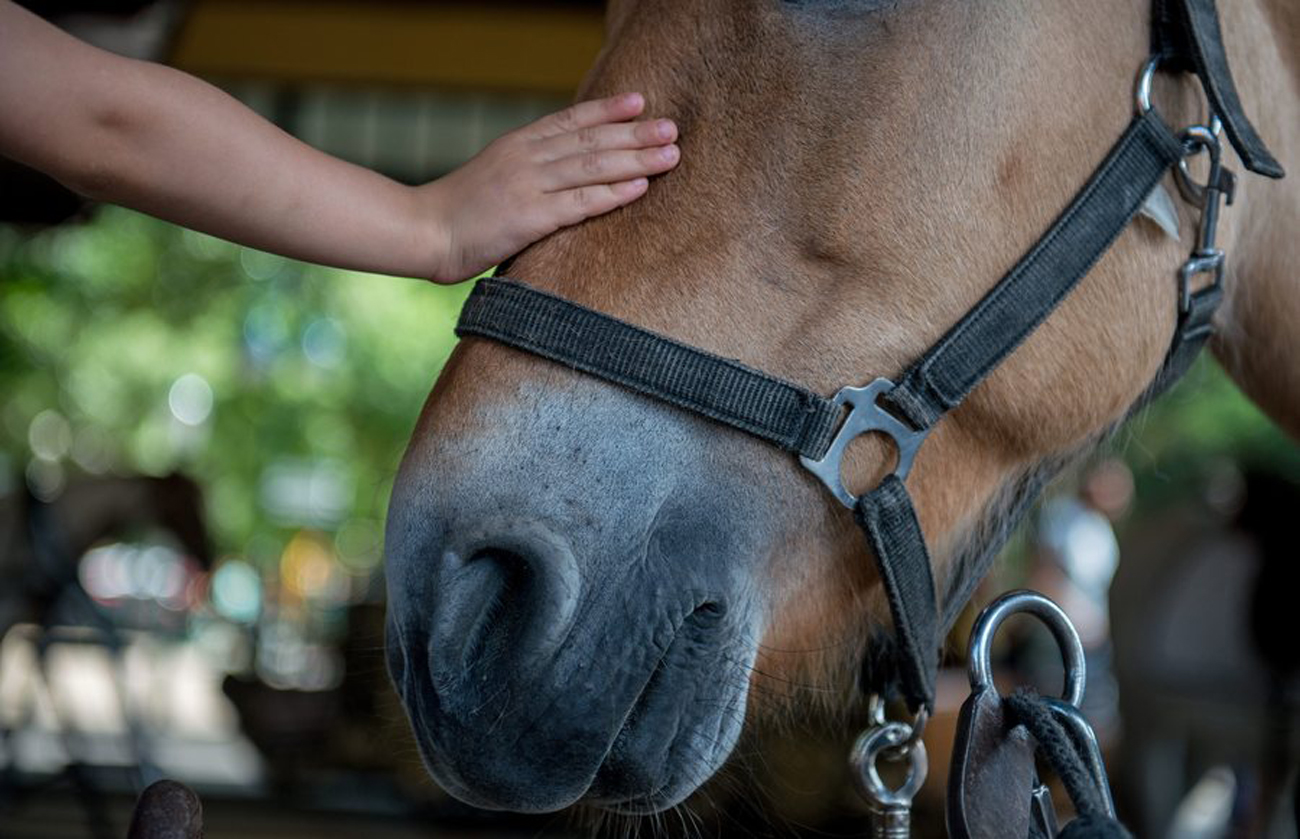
(711, 610)
(504, 598)
(509, 604)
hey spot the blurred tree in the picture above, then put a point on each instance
(130, 345)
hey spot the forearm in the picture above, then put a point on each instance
(168, 144)
(192, 155)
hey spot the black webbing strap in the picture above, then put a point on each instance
(1187, 37)
(887, 516)
(1044, 276)
(792, 417)
(1195, 328)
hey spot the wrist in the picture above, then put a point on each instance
(431, 233)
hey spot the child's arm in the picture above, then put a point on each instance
(166, 143)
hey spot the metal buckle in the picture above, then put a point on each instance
(866, 415)
(1198, 263)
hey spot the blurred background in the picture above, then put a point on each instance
(197, 442)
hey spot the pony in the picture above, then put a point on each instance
(593, 594)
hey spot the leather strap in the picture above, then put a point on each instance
(1194, 329)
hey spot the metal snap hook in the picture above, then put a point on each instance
(878, 714)
(884, 742)
(1032, 603)
(1197, 139)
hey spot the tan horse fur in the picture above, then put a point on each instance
(855, 176)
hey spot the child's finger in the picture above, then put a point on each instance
(575, 205)
(623, 135)
(586, 114)
(607, 167)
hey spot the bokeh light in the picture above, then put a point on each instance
(190, 399)
(237, 591)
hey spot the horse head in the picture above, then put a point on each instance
(591, 592)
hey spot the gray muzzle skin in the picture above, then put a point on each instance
(566, 640)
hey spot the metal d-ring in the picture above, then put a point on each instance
(1142, 94)
(1032, 603)
(866, 415)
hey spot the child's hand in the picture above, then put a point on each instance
(570, 166)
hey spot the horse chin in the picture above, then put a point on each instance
(630, 716)
(677, 732)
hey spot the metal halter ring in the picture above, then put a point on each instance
(887, 741)
(877, 712)
(1032, 603)
(1142, 93)
(865, 416)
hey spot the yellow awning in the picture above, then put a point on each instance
(536, 48)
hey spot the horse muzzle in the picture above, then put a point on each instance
(574, 642)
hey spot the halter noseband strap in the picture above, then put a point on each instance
(819, 429)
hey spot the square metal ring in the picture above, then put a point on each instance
(866, 416)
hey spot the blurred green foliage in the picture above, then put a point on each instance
(1202, 426)
(98, 322)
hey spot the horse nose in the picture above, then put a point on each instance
(508, 596)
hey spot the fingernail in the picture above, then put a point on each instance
(669, 153)
(640, 183)
(633, 100)
(664, 128)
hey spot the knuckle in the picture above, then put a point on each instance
(588, 138)
(593, 164)
(567, 118)
(582, 199)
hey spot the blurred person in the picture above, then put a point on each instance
(1076, 556)
(1076, 536)
(163, 142)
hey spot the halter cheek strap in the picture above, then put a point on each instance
(819, 429)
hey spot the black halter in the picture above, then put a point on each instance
(906, 408)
